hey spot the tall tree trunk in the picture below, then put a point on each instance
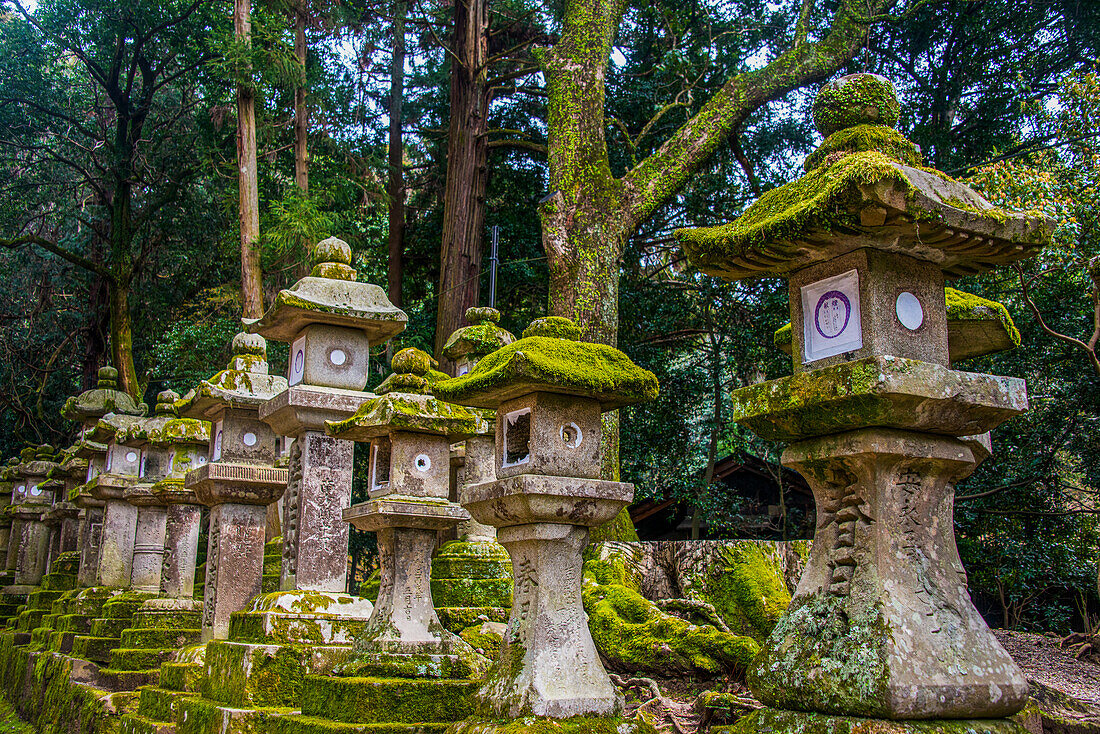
(590, 214)
(467, 172)
(716, 416)
(122, 340)
(301, 110)
(395, 182)
(252, 296)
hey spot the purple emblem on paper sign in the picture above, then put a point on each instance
(832, 314)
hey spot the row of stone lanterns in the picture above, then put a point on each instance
(879, 424)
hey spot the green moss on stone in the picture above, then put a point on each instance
(633, 634)
(962, 306)
(550, 364)
(857, 99)
(861, 138)
(538, 725)
(387, 700)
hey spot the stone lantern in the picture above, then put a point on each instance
(186, 442)
(35, 500)
(472, 575)
(239, 482)
(8, 479)
(120, 472)
(330, 321)
(87, 409)
(152, 510)
(72, 472)
(548, 390)
(881, 625)
(410, 433)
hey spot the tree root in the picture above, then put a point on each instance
(657, 697)
(703, 609)
(1082, 646)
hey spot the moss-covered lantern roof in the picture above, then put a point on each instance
(405, 403)
(330, 294)
(244, 383)
(481, 337)
(976, 326)
(865, 187)
(106, 429)
(166, 428)
(104, 398)
(37, 461)
(551, 358)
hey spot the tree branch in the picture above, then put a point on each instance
(652, 183)
(49, 246)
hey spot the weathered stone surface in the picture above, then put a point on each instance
(116, 549)
(548, 664)
(234, 564)
(404, 637)
(538, 725)
(315, 545)
(181, 539)
(885, 391)
(884, 568)
(528, 498)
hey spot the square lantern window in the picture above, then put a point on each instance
(380, 450)
(549, 433)
(517, 438)
(463, 367)
(420, 464)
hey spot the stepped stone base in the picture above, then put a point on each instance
(780, 721)
(387, 700)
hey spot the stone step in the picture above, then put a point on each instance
(30, 619)
(299, 724)
(8, 610)
(152, 638)
(61, 642)
(108, 627)
(90, 602)
(182, 677)
(138, 724)
(40, 637)
(456, 619)
(167, 619)
(68, 562)
(79, 623)
(59, 581)
(123, 606)
(202, 716)
(96, 649)
(43, 599)
(471, 592)
(388, 700)
(128, 658)
(160, 704)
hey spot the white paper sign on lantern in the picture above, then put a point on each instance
(831, 322)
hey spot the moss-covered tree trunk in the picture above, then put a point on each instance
(590, 213)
